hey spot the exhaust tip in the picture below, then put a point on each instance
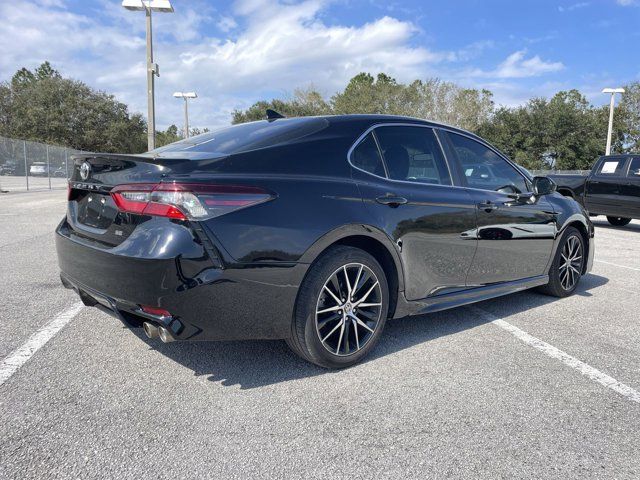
(165, 336)
(150, 330)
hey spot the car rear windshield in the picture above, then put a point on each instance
(247, 136)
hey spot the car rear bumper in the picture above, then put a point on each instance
(206, 302)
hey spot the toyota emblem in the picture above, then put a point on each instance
(85, 170)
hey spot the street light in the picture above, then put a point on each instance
(152, 68)
(186, 96)
(613, 92)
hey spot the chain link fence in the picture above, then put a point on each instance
(28, 165)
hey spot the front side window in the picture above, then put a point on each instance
(366, 156)
(611, 167)
(634, 168)
(485, 169)
(413, 154)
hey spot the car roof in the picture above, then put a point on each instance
(375, 118)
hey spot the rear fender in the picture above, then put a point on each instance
(345, 231)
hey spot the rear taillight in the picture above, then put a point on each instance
(186, 201)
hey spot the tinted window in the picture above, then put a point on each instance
(248, 136)
(611, 166)
(413, 154)
(366, 156)
(634, 168)
(485, 169)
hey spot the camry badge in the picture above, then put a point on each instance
(85, 170)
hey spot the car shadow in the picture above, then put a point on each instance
(603, 223)
(252, 364)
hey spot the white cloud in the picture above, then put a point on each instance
(626, 3)
(226, 23)
(576, 6)
(517, 65)
(275, 47)
(281, 46)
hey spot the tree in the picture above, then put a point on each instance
(565, 132)
(170, 135)
(430, 99)
(628, 115)
(303, 103)
(42, 106)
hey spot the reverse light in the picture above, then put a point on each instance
(186, 201)
(158, 312)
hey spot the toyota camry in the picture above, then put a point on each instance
(313, 230)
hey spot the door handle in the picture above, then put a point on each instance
(487, 206)
(392, 200)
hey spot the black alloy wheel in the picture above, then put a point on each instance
(568, 265)
(341, 309)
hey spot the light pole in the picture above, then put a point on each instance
(152, 68)
(613, 92)
(186, 96)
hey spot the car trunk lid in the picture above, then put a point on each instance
(92, 212)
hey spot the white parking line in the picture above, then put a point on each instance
(21, 355)
(586, 370)
(617, 265)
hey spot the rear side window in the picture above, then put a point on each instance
(413, 154)
(366, 156)
(634, 168)
(248, 136)
(485, 169)
(611, 166)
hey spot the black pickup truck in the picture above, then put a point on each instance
(612, 188)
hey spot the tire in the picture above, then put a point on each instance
(618, 221)
(334, 334)
(563, 284)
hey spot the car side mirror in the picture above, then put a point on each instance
(543, 186)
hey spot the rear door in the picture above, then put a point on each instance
(411, 195)
(603, 189)
(631, 189)
(515, 239)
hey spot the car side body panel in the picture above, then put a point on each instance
(237, 276)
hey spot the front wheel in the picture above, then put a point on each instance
(567, 265)
(341, 308)
(618, 221)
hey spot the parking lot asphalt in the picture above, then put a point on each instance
(18, 183)
(461, 393)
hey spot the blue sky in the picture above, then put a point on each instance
(234, 53)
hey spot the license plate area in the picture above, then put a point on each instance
(96, 210)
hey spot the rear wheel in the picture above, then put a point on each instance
(618, 221)
(567, 265)
(341, 308)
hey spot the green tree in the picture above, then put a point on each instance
(627, 120)
(42, 106)
(303, 103)
(430, 99)
(167, 136)
(563, 132)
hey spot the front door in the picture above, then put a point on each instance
(515, 239)
(410, 193)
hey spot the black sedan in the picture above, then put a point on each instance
(313, 230)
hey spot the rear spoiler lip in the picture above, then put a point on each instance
(157, 159)
(124, 157)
